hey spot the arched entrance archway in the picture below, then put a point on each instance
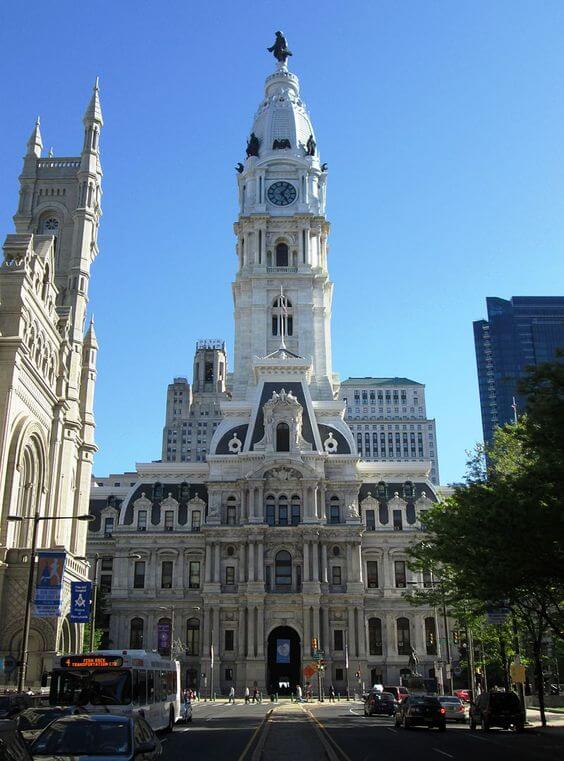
(284, 662)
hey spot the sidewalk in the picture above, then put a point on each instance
(555, 720)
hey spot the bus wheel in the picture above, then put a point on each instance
(170, 726)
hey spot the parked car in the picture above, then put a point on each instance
(399, 693)
(455, 708)
(12, 746)
(421, 710)
(380, 703)
(14, 703)
(33, 721)
(465, 695)
(497, 709)
(124, 738)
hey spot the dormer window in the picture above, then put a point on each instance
(142, 520)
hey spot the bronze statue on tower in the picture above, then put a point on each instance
(280, 48)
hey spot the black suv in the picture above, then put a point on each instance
(380, 703)
(422, 710)
(497, 709)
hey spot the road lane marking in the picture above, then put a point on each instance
(326, 734)
(443, 752)
(391, 729)
(261, 725)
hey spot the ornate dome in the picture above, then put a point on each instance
(282, 124)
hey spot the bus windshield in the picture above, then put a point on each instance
(98, 687)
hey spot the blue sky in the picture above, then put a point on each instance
(441, 122)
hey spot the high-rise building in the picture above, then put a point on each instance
(389, 421)
(47, 379)
(519, 332)
(280, 535)
(194, 412)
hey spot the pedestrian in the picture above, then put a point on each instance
(331, 694)
(232, 695)
(247, 694)
(299, 698)
(255, 695)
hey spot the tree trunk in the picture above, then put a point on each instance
(539, 676)
(503, 656)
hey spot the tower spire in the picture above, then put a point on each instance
(35, 142)
(94, 111)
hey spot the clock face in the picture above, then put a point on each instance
(282, 193)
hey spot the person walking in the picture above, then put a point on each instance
(232, 695)
(247, 695)
(331, 694)
(299, 698)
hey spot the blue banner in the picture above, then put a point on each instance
(282, 651)
(49, 583)
(81, 598)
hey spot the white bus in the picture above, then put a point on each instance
(120, 681)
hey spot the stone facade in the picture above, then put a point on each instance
(282, 532)
(47, 379)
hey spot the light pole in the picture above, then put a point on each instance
(35, 518)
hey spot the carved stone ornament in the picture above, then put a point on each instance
(283, 474)
(235, 444)
(169, 502)
(330, 445)
(351, 511)
(283, 407)
(142, 502)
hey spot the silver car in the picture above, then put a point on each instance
(454, 707)
(97, 737)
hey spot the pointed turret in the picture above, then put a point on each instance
(90, 340)
(94, 111)
(35, 142)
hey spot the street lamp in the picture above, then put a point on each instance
(92, 618)
(35, 518)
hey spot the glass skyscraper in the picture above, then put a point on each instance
(521, 331)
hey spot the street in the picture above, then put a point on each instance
(340, 732)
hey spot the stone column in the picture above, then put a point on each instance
(251, 632)
(358, 551)
(216, 646)
(324, 563)
(206, 633)
(315, 575)
(306, 560)
(350, 568)
(361, 633)
(209, 550)
(322, 498)
(306, 645)
(260, 561)
(260, 631)
(242, 564)
(326, 638)
(251, 503)
(259, 512)
(251, 576)
(351, 633)
(241, 633)
(243, 505)
(216, 573)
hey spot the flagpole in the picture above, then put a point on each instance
(211, 666)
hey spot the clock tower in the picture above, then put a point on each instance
(282, 240)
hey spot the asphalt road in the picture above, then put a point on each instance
(340, 732)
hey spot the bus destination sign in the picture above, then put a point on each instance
(91, 661)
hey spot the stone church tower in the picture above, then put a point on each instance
(47, 379)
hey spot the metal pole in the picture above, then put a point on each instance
(27, 616)
(471, 665)
(447, 648)
(520, 685)
(347, 661)
(94, 601)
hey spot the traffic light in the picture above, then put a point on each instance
(314, 644)
(357, 674)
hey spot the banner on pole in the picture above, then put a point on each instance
(49, 583)
(81, 600)
(164, 636)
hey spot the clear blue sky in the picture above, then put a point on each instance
(441, 122)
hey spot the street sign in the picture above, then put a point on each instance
(517, 671)
(497, 616)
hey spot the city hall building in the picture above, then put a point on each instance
(263, 522)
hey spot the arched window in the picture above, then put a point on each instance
(270, 510)
(136, 634)
(282, 316)
(282, 437)
(283, 510)
(231, 511)
(157, 492)
(375, 636)
(334, 510)
(404, 638)
(164, 636)
(295, 508)
(281, 255)
(192, 636)
(283, 570)
(430, 636)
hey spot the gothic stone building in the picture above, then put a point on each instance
(47, 378)
(262, 522)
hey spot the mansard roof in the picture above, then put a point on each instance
(368, 380)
